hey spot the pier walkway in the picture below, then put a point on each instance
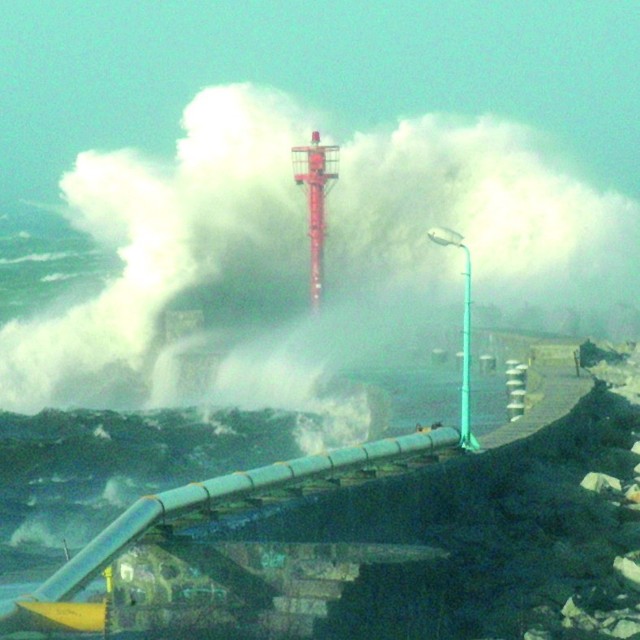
(552, 391)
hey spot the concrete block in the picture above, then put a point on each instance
(629, 571)
(600, 482)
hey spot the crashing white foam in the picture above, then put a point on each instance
(226, 219)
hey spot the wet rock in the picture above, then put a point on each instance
(625, 628)
(571, 609)
(627, 569)
(582, 622)
(592, 354)
(537, 634)
(575, 617)
(600, 482)
(632, 493)
(604, 598)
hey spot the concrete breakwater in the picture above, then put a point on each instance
(525, 542)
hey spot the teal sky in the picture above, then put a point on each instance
(105, 74)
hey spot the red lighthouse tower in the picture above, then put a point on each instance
(316, 167)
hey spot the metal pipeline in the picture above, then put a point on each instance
(149, 510)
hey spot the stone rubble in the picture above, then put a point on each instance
(616, 621)
(621, 373)
(532, 551)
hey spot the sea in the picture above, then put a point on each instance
(69, 469)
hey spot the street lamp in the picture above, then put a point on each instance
(445, 237)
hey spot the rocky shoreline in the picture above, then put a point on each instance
(579, 552)
(543, 537)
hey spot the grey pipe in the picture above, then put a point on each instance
(149, 510)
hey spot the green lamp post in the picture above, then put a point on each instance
(445, 237)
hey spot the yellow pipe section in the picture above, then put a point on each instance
(74, 616)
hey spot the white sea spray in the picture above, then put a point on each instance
(222, 227)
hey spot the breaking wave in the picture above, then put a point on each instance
(221, 229)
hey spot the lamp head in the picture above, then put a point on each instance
(445, 236)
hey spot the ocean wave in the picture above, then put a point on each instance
(56, 277)
(55, 529)
(41, 257)
(67, 474)
(220, 230)
(121, 491)
(101, 432)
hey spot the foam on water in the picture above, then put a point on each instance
(38, 257)
(52, 530)
(56, 277)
